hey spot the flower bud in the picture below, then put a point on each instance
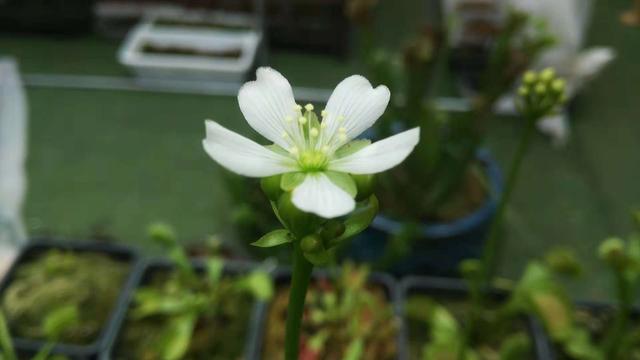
(558, 85)
(547, 74)
(311, 243)
(271, 187)
(331, 230)
(612, 250)
(365, 185)
(529, 77)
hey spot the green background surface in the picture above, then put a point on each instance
(113, 161)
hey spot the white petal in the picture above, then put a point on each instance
(318, 195)
(358, 103)
(241, 155)
(379, 156)
(266, 102)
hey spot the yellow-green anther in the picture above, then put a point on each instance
(314, 132)
(323, 113)
(308, 107)
(302, 120)
(541, 89)
(297, 107)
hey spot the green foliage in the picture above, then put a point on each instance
(274, 238)
(445, 158)
(58, 286)
(182, 313)
(344, 319)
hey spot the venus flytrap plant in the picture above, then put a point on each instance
(179, 314)
(315, 172)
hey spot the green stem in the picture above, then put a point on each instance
(612, 342)
(492, 245)
(299, 283)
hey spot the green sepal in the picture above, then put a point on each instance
(344, 181)
(359, 219)
(351, 147)
(300, 223)
(365, 185)
(290, 181)
(271, 187)
(274, 238)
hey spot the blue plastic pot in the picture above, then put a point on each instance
(442, 245)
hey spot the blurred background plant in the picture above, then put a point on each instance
(346, 317)
(54, 324)
(184, 311)
(89, 283)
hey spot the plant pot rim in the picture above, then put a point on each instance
(231, 267)
(457, 287)
(103, 339)
(465, 224)
(387, 281)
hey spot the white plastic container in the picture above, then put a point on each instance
(13, 151)
(195, 37)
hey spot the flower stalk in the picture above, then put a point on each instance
(302, 270)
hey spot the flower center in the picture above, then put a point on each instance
(313, 160)
(310, 140)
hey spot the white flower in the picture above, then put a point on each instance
(308, 145)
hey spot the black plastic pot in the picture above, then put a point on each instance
(283, 277)
(440, 246)
(444, 288)
(28, 347)
(231, 268)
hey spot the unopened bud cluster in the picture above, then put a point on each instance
(541, 93)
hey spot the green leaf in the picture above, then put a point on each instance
(359, 219)
(214, 268)
(290, 181)
(44, 352)
(351, 147)
(274, 238)
(343, 181)
(5, 339)
(176, 337)
(60, 319)
(355, 350)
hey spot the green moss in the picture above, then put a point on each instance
(89, 281)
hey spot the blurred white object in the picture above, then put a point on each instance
(13, 135)
(195, 39)
(568, 21)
